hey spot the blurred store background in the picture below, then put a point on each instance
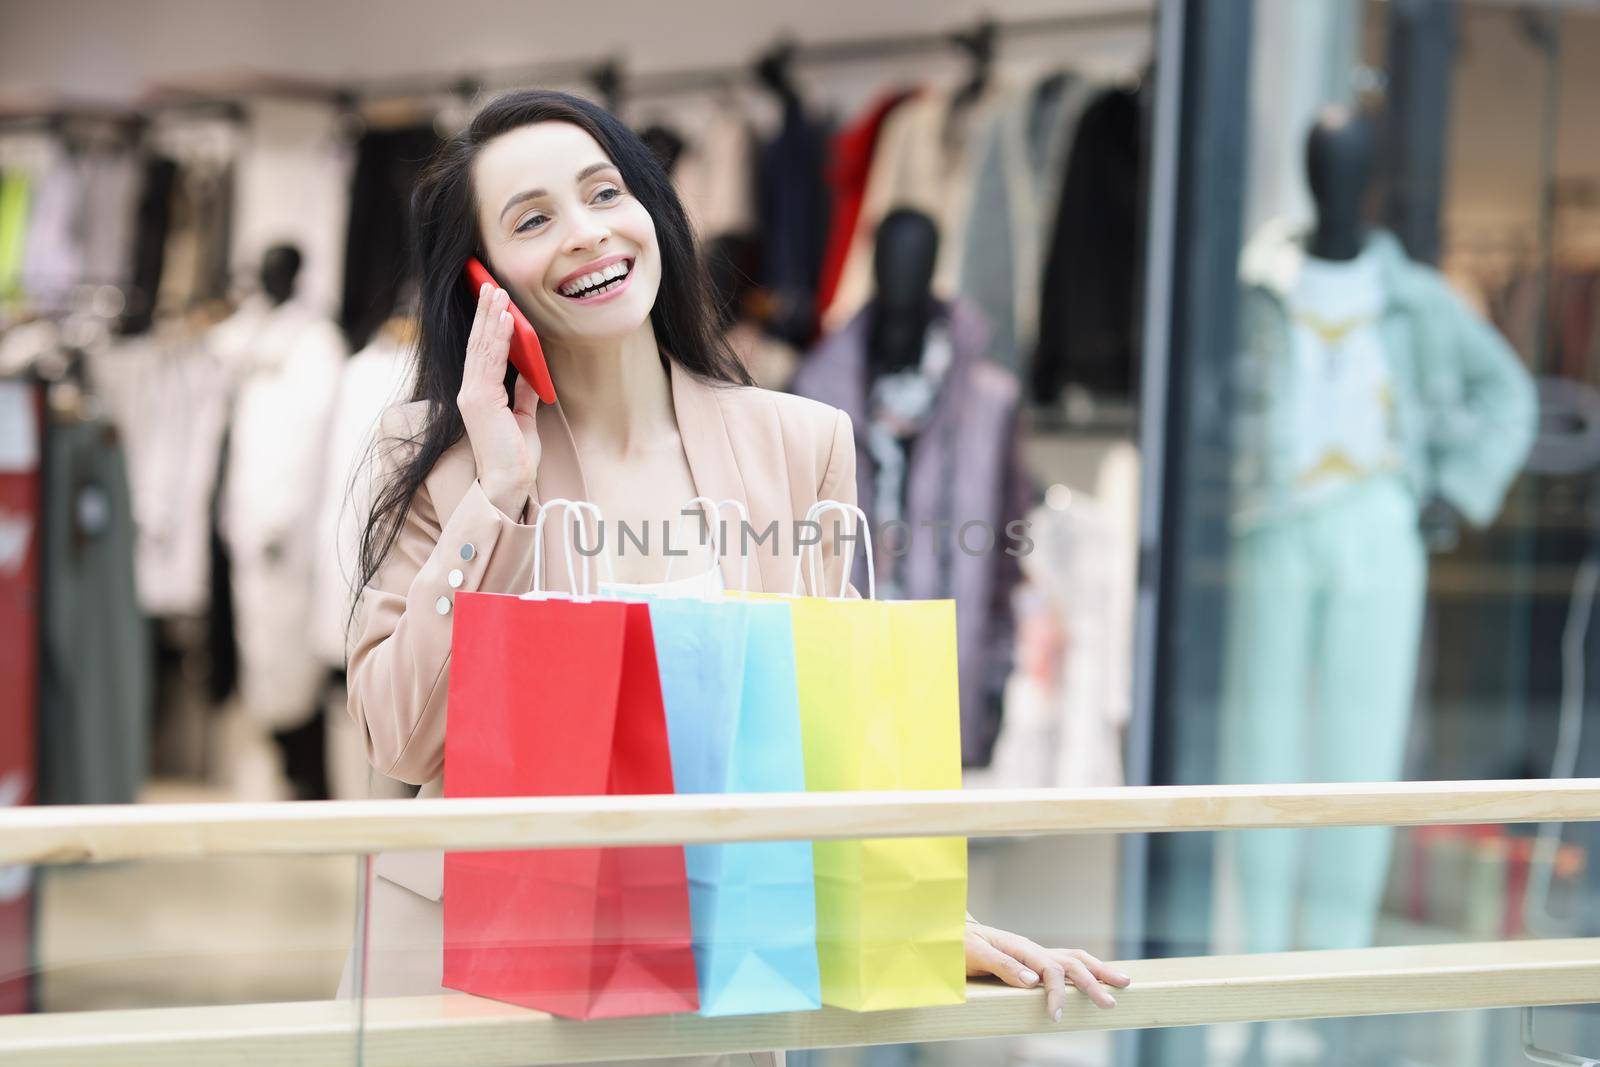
(1277, 321)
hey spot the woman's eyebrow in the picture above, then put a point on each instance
(533, 194)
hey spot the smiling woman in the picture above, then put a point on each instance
(598, 209)
(582, 230)
(548, 190)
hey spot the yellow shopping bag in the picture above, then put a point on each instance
(879, 710)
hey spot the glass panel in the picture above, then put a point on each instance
(505, 948)
(179, 956)
(1446, 1039)
(1405, 543)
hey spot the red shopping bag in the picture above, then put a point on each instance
(558, 697)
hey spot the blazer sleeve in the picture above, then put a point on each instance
(399, 652)
(841, 540)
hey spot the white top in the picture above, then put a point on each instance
(1338, 394)
(707, 583)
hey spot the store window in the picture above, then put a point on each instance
(1375, 553)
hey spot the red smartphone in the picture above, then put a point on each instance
(526, 354)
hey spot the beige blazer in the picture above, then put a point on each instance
(777, 453)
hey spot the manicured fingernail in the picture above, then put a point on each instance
(1111, 1001)
(1057, 1015)
(1124, 979)
(1029, 977)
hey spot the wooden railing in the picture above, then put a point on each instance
(462, 1030)
(87, 834)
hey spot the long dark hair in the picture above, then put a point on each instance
(445, 225)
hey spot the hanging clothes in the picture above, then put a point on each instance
(793, 212)
(169, 399)
(715, 174)
(52, 261)
(1067, 707)
(1089, 297)
(95, 683)
(221, 639)
(963, 466)
(152, 220)
(1021, 164)
(1573, 297)
(923, 160)
(373, 380)
(849, 163)
(110, 191)
(286, 361)
(377, 261)
(195, 256)
(1551, 320)
(16, 191)
(293, 187)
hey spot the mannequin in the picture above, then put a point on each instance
(903, 307)
(1366, 389)
(1339, 160)
(937, 457)
(1339, 156)
(1368, 396)
(284, 359)
(280, 269)
(908, 356)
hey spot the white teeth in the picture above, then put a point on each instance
(588, 281)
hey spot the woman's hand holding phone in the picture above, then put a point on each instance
(504, 438)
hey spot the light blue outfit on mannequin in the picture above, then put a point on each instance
(1326, 588)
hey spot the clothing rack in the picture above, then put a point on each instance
(893, 46)
(607, 75)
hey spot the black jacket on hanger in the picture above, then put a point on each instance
(794, 205)
(151, 224)
(378, 242)
(1088, 304)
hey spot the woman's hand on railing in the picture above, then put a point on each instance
(1017, 961)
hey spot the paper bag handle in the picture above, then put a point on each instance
(717, 547)
(567, 508)
(814, 552)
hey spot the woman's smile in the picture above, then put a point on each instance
(599, 281)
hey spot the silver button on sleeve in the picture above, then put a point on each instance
(467, 552)
(442, 605)
(456, 578)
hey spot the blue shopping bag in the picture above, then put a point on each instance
(733, 726)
